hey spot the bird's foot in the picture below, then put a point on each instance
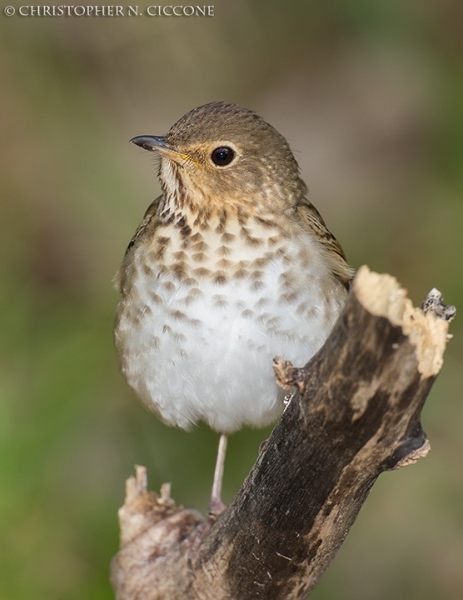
(262, 446)
(216, 506)
(287, 375)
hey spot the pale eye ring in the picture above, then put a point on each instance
(222, 156)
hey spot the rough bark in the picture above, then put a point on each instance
(355, 413)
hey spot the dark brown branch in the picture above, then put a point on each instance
(355, 414)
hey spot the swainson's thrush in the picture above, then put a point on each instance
(230, 267)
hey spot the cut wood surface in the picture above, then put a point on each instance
(355, 413)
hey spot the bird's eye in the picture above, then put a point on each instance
(222, 156)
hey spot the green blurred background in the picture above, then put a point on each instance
(370, 95)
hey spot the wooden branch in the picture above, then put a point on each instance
(355, 414)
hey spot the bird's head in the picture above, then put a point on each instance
(222, 156)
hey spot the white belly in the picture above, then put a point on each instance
(207, 355)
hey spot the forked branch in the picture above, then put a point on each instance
(355, 413)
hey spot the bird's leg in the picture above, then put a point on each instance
(216, 506)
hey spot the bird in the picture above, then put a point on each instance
(231, 266)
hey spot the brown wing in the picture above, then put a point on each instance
(312, 220)
(145, 228)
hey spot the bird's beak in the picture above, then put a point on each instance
(158, 143)
(150, 142)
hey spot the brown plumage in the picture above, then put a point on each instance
(230, 266)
